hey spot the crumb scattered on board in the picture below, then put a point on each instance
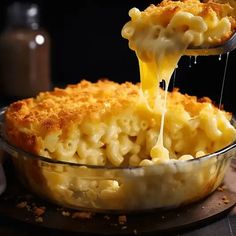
(39, 219)
(225, 199)
(122, 219)
(82, 215)
(221, 188)
(39, 211)
(65, 213)
(22, 204)
(106, 217)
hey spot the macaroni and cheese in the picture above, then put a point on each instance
(107, 124)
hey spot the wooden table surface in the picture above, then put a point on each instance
(225, 226)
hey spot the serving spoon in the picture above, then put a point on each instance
(226, 47)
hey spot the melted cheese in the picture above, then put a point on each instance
(164, 55)
(159, 44)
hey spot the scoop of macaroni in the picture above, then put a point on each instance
(175, 25)
(108, 124)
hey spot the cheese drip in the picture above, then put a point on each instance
(160, 68)
(159, 48)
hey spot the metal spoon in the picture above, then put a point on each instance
(226, 47)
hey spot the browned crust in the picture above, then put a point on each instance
(195, 7)
(53, 110)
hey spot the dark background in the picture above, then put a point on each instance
(86, 43)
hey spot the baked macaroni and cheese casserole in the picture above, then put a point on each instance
(111, 146)
(109, 124)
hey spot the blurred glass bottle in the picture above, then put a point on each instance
(24, 53)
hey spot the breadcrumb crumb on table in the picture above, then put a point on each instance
(39, 211)
(122, 219)
(225, 199)
(66, 213)
(39, 219)
(82, 215)
(22, 204)
(221, 188)
(106, 217)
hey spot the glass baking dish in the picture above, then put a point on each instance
(119, 189)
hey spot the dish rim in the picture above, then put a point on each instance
(6, 146)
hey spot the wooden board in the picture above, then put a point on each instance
(172, 220)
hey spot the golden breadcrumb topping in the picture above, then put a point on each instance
(163, 12)
(73, 104)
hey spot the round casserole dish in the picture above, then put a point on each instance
(126, 189)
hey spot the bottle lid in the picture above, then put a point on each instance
(23, 15)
